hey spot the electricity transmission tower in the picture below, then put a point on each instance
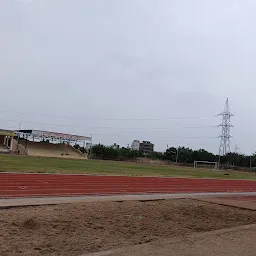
(225, 133)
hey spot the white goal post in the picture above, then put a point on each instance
(206, 162)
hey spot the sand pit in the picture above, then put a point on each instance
(74, 229)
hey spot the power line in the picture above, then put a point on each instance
(191, 137)
(62, 125)
(174, 137)
(111, 127)
(103, 118)
(206, 126)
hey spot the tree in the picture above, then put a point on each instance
(185, 155)
(77, 146)
(170, 154)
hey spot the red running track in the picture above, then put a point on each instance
(27, 185)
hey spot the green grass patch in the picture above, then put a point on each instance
(57, 165)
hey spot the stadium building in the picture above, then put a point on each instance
(42, 143)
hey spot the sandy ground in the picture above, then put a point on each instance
(239, 241)
(78, 228)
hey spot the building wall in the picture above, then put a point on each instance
(6, 141)
(18, 148)
(2, 139)
(135, 145)
(147, 147)
(115, 146)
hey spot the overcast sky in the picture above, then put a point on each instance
(129, 69)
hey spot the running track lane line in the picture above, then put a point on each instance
(23, 185)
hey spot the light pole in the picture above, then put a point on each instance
(19, 131)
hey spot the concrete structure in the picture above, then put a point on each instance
(49, 144)
(7, 141)
(135, 145)
(37, 143)
(52, 200)
(115, 146)
(51, 150)
(146, 147)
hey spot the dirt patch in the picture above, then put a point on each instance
(74, 229)
(30, 224)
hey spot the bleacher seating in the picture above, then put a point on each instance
(51, 150)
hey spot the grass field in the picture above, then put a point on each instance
(57, 165)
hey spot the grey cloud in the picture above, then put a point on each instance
(130, 59)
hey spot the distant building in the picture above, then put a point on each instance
(115, 146)
(135, 145)
(146, 147)
(88, 145)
